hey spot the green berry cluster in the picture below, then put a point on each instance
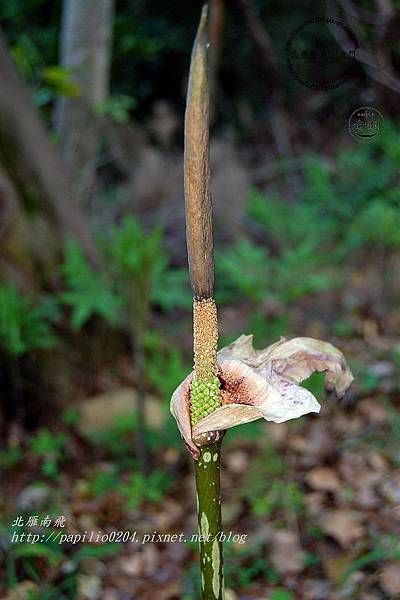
(205, 398)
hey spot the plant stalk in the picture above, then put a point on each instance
(205, 392)
(207, 470)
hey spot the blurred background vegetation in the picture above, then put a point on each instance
(95, 306)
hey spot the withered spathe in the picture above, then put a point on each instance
(261, 383)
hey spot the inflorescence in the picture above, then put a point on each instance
(205, 389)
(205, 398)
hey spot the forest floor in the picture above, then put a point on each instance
(310, 507)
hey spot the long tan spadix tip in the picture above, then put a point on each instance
(203, 18)
(197, 170)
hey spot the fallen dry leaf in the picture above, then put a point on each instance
(389, 579)
(323, 479)
(89, 587)
(131, 565)
(315, 501)
(316, 589)
(298, 443)
(99, 412)
(373, 411)
(390, 487)
(286, 554)
(343, 525)
(237, 461)
(110, 594)
(22, 590)
(230, 594)
(336, 566)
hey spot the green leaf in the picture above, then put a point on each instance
(105, 550)
(60, 79)
(281, 594)
(37, 550)
(117, 107)
(89, 293)
(25, 324)
(11, 457)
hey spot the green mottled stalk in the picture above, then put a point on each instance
(205, 390)
(209, 520)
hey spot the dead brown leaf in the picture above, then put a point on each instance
(315, 501)
(22, 590)
(237, 461)
(343, 525)
(373, 411)
(390, 488)
(389, 579)
(323, 479)
(336, 566)
(286, 554)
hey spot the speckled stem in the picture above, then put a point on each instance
(209, 518)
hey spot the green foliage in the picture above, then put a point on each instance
(141, 488)
(48, 80)
(244, 564)
(88, 292)
(48, 447)
(367, 380)
(267, 488)
(136, 266)
(280, 495)
(105, 550)
(315, 384)
(248, 271)
(377, 225)
(174, 291)
(56, 81)
(71, 417)
(165, 365)
(102, 482)
(281, 594)
(117, 439)
(248, 431)
(10, 458)
(266, 466)
(237, 281)
(118, 107)
(137, 262)
(306, 241)
(287, 225)
(343, 328)
(388, 548)
(25, 324)
(52, 553)
(267, 329)
(348, 202)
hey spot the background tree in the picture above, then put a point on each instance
(85, 51)
(31, 161)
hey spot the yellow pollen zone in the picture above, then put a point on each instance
(205, 332)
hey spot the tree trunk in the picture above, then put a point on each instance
(31, 161)
(85, 49)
